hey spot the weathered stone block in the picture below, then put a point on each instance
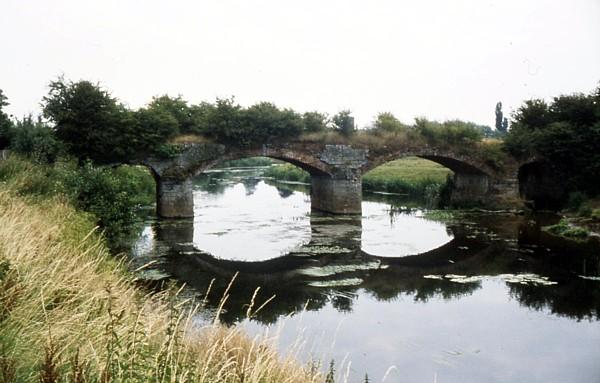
(174, 198)
(336, 196)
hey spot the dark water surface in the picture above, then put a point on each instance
(485, 298)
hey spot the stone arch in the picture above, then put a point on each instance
(458, 163)
(472, 181)
(304, 161)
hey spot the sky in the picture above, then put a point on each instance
(438, 59)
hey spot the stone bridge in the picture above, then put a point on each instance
(336, 172)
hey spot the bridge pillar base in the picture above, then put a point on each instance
(470, 189)
(337, 196)
(174, 198)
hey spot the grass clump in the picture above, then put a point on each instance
(70, 313)
(565, 229)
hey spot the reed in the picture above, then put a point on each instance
(71, 313)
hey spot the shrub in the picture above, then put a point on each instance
(563, 228)
(110, 195)
(448, 132)
(36, 140)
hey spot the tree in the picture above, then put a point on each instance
(344, 123)
(265, 122)
(314, 122)
(200, 115)
(36, 140)
(6, 124)
(565, 133)
(226, 124)
(90, 121)
(500, 118)
(505, 125)
(154, 127)
(176, 107)
(387, 122)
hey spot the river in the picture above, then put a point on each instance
(395, 294)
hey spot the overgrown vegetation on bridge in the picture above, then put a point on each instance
(86, 121)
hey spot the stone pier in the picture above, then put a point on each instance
(469, 189)
(174, 198)
(336, 196)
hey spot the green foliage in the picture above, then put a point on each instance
(454, 132)
(90, 122)
(154, 127)
(36, 140)
(5, 123)
(564, 229)
(288, 172)
(314, 122)
(200, 115)
(566, 133)
(343, 122)
(595, 214)
(501, 122)
(493, 154)
(226, 123)
(112, 195)
(177, 108)
(387, 122)
(265, 122)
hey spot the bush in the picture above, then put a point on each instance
(448, 132)
(564, 229)
(36, 140)
(111, 195)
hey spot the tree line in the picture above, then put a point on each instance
(84, 120)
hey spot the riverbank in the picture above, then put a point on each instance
(581, 224)
(69, 311)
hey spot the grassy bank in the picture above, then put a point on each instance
(69, 312)
(413, 176)
(111, 195)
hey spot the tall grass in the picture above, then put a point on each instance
(70, 313)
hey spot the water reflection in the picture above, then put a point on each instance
(486, 298)
(332, 267)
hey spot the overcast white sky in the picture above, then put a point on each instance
(440, 59)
